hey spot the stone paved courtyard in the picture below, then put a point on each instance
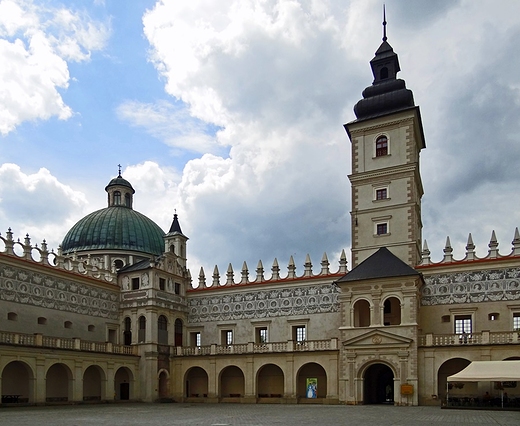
(240, 414)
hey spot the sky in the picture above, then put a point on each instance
(231, 113)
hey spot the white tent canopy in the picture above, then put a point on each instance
(488, 371)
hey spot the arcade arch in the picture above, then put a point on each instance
(196, 380)
(58, 383)
(122, 384)
(270, 381)
(17, 379)
(448, 368)
(307, 375)
(93, 378)
(231, 382)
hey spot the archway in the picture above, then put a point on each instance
(92, 379)
(58, 384)
(311, 381)
(362, 313)
(164, 384)
(378, 385)
(270, 382)
(17, 383)
(232, 383)
(122, 381)
(448, 368)
(196, 382)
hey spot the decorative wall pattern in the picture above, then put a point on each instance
(32, 288)
(264, 304)
(471, 287)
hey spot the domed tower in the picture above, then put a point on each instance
(387, 137)
(117, 235)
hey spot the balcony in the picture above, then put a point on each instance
(482, 338)
(39, 340)
(258, 348)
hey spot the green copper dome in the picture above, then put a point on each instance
(115, 228)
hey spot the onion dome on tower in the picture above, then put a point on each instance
(388, 93)
(117, 230)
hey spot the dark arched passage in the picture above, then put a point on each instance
(378, 385)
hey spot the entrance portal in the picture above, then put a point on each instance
(379, 385)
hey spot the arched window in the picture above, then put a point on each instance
(384, 73)
(127, 200)
(141, 335)
(127, 334)
(178, 332)
(162, 326)
(117, 198)
(392, 311)
(381, 146)
(362, 314)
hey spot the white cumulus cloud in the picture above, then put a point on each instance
(36, 41)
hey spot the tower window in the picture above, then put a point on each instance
(381, 194)
(117, 198)
(162, 283)
(381, 146)
(384, 73)
(127, 200)
(382, 228)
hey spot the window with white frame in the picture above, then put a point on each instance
(227, 337)
(381, 146)
(382, 228)
(261, 335)
(463, 324)
(299, 333)
(195, 338)
(516, 321)
(381, 193)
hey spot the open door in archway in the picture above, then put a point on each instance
(379, 385)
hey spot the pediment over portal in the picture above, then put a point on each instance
(379, 338)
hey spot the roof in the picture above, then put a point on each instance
(115, 228)
(138, 266)
(488, 371)
(382, 264)
(176, 227)
(119, 181)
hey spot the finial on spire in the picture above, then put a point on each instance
(119, 168)
(384, 22)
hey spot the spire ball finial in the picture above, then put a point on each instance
(119, 170)
(384, 23)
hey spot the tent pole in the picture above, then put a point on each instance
(447, 392)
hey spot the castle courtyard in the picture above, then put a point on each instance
(248, 414)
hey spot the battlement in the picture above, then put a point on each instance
(275, 273)
(470, 256)
(42, 256)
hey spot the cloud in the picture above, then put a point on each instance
(36, 215)
(35, 44)
(172, 124)
(280, 78)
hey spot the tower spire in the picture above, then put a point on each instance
(384, 23)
